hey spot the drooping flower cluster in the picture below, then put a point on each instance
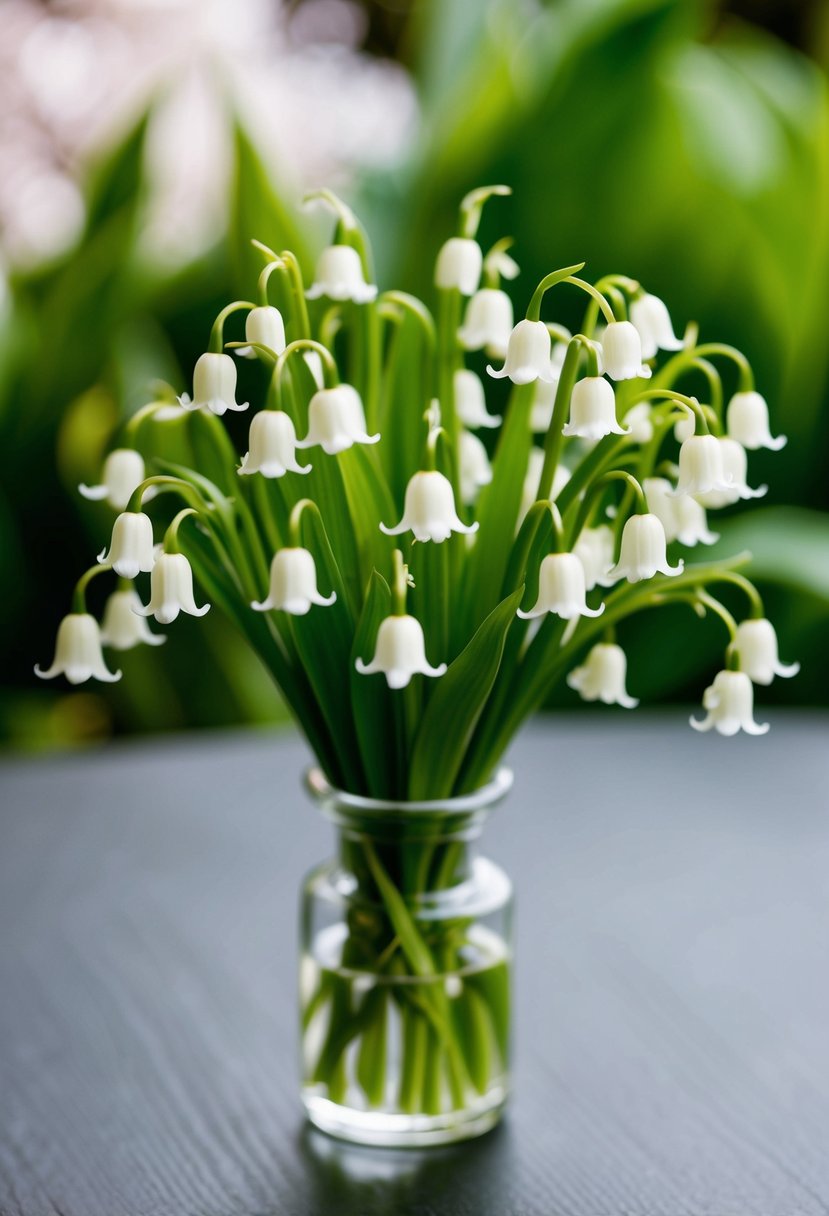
(517, 558)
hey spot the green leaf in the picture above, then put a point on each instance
(473, 1033)
(498, 512)
(493, 986)
(417, 953)
(371, 1056)
(456, 705)
(115, 182)
(259, 212)
(371, 700)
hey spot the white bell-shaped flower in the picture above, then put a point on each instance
(214, 385)
(683, 518)
(561, 589)
(487, 323)
(429, 510)
(171, 590)
(593, 410)
(265, 327)
(651, 318)
(701, 468)
(735, 470)
(474, 467)
(470, 400)
(339, 276)
(78, 653)
(528, 355)
(131, 546)
(272, 446)
(400, 652)
(293, 584)
(336, 420)
(691, 523)
(122, 627)
(639, 422)
(622, 352)
(747, 421)
(459, 265)
(730, 705)
(643, 551)
(756, 645)
(594, 549)
(602, 676)
(123, 473)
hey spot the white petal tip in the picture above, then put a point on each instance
(93, 493)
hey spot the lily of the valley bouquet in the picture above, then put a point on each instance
(417, 574)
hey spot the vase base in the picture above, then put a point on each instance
(384, 1129)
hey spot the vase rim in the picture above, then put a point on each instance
(321, 789)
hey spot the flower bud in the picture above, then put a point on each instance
(293, 584)
(643, 551)
(594, 549)
(561, 589)
(747, 421)
(730, 705)
(122, 627)
(459, 266)
(336, 420)
(528, 355)
(602, 676)
(593, 410)
(123, 473)
(651, 318)
(474, 467)
(662, 503)
(756, 645)
(429, 510)
(214, 385)
(532, 478)
(639, 422)
(171, 590)
(271, 446)
(400, 652)
(488, 323)
(470, 400)
(622, 352)
(78, 654)
(131, 546)
(265, 327)
(684, 427)
(339, 276)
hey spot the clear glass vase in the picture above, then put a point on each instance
(405, 971)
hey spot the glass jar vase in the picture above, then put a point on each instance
(405, 971)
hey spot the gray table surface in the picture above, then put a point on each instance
(672, 983)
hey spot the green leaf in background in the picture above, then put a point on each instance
(259, 212)
(789, 545)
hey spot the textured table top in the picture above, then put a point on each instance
(672, 988)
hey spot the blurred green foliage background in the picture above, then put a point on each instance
(684, 143)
